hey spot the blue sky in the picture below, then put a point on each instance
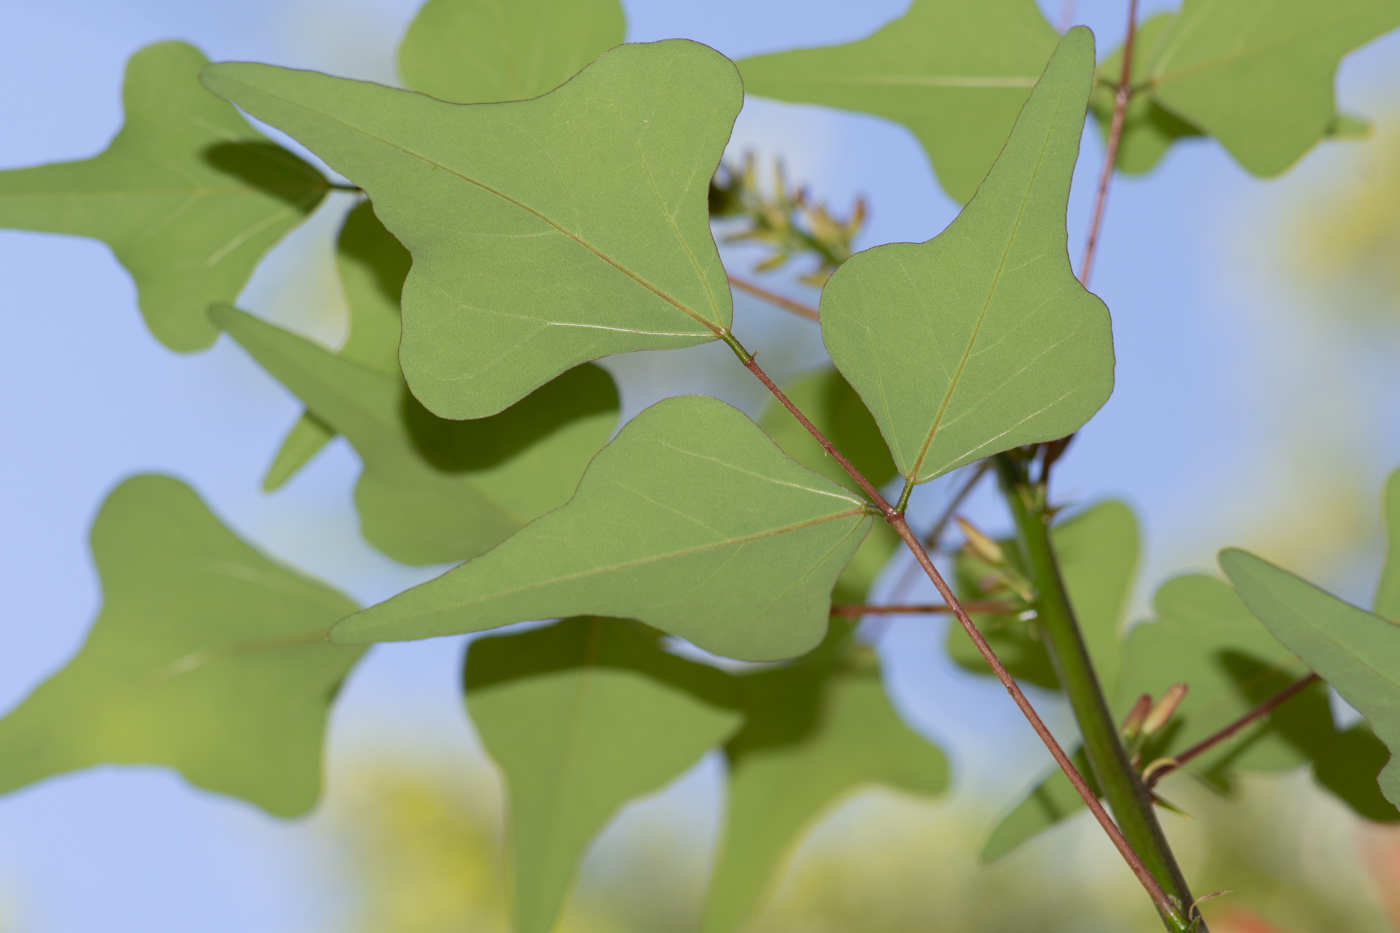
(1239, 406)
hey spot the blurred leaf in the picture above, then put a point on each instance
(188, 196)
(479, 51)
(1051, 800)
(583, 716)
(956, 74)
(1356, 652)
(544, 233)
(691, 520)
(833, 407)
(1259, 78)
(1346, 126)
(433, 490)
(815, 734)
(981, 339)
(1387, 601)
(1098, 553)
(1148, 130)
(372, 266)
(207, 657)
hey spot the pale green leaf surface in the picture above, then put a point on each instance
(1259, 77)
(813, 737)
(1387, 601)
(581, 717)
(981, 339)
(479, 51)
(433, 490)
(691, 520)
(833, 407)
(207, 657)
(544, 233)
(188, 196)
(1358, 653)
(372, 266)
(955, 73)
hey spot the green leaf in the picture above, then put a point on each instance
(1259, 77)
(207, 657)
(956, 74)
(581, 717)
(544, 233)
(188, 196)
(1387, 601)
(833, 407)
(691, 521)
(1052, 799)
(432, 490)
(1098, 554)
(1148, 129)
(1358, 653)
(479, 51)
(981, 339)
(372, 266)
(814, 736)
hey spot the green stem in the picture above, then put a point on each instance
(1127, 796)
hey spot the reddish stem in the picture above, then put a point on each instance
(856, 610)
(1115, 133)
(787, 304)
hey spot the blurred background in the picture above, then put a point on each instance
(1257, 325)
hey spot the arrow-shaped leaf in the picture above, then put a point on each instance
(544, 233)
(206, 657)
(691, 520)
(583, 716)
(188, 196)
(433, 490)
(955, 73)
(981, 339)
(479, 51)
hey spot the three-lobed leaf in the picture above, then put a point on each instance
(480, 51)
(581, 717)
(544, 233)
(955, 73)
(981, 339)
(207, 657)
(691, 520)
(188, 196)
(433, 490)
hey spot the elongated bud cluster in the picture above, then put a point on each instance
(979, 545)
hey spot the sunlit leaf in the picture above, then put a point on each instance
(478, 51)
(691, 520)
(815, 735)
(955, 73)
(433, 490)
(372, 266)
(207, 657)
(544, 233)
(188, 196)
(1259, 77)
(1358, 653)
(981, 339)
(583, 716)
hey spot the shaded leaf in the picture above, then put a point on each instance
(1052, 799)
(691, 520)
(188, 196)
(372, 266)
(981, 339)
(1358, 653)
(956, 74)
(1259, 78)
(583, 716)
(1015, 640)
(814, 735)
(479, 51)
(544, 233)
(1387, 601)
(207, 657)
(433, 490)
(833, 407)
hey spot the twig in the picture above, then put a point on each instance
(901, 527)
(936, 532)
(1115, 133)
(787, 304)
(1260, 711)
(859, 609)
